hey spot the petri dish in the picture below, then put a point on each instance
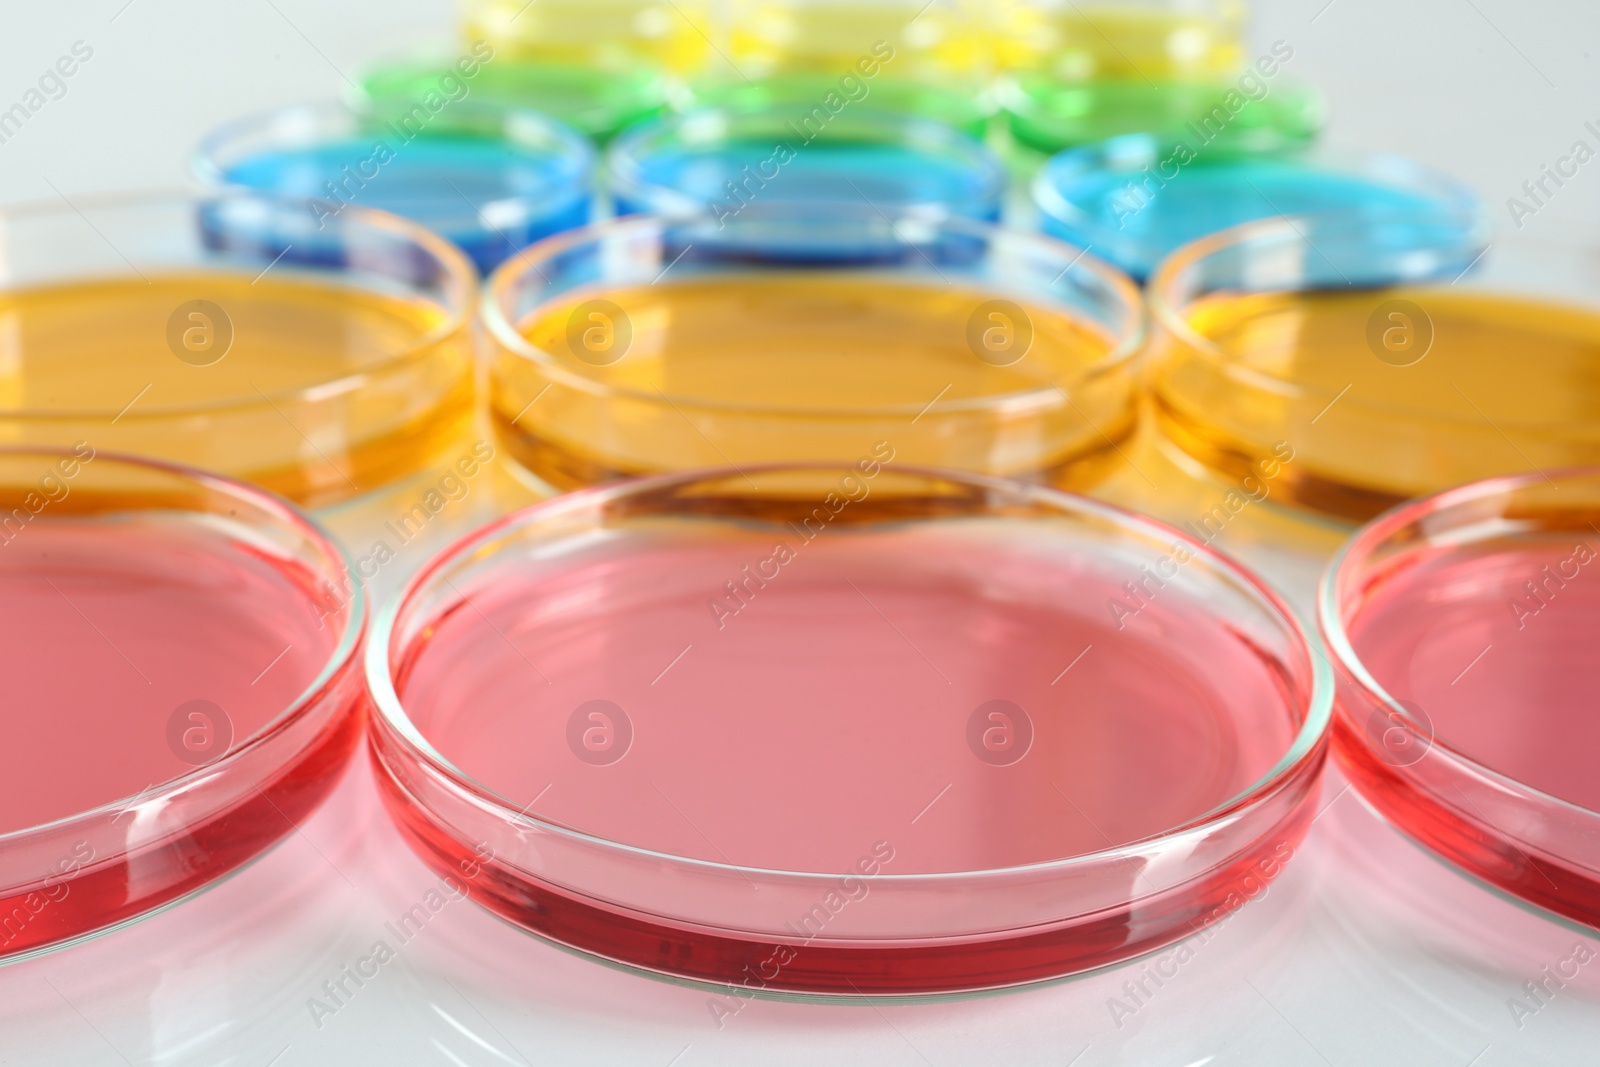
(649, 344)
(670, 35)
(861, 729)
(490, 178)
(1245, 114)
(800, 92)
(183, 684)
(234, 332)
(1136, 199)
(722, 159)
(1462, 625)
(594, 101)
(1394, 359)
(1159, 39)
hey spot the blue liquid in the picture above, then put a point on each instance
(490, 197)
(1135, 228)
(889, 177)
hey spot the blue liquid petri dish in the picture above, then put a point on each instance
(1135, 199)
(490, 178)
(722, 160)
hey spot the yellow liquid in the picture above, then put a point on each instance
(807, 366)
(829, 37)
(1478, 384)
(609, 34)
(256, 391)
(1084, 41)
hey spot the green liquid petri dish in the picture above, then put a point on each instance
(965, 107)
(596, 102)
(1249, 114)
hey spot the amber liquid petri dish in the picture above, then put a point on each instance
(1463, 626)
(649, 344)
(318, 357)
(865, 730)
(1393, 358)
(182, 685)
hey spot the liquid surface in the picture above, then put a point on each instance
(1517, 360)
(1140, 221)
(123, 364)
(109, 628)
(836, 706)
(817, 341)
(1505, 674)
(490, 197)
(889, 176)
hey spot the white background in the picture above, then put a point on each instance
(1366, 951)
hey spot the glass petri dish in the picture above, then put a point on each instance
(609, 35)
(490, 178)
(648, 344)
(1462, 625)
(596, 102)
(1136, 199)
(1258, 115)
(1161, 39)
(233, 332)
(722, 159)
(183, 684)
(1390, 363)
(800, 92)
(865, 729)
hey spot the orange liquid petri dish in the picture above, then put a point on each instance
(648, 345)
(320, 357)
(1392, 359)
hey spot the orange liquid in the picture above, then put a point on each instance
(316, 391)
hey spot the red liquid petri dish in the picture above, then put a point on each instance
(853, 730)
(182, 685)
(1463, 625)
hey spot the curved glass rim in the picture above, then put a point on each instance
(1455, 197)
(624, 166)
(461, 286)
(1474, 235)
(385, 700)
(343, 654)
(511, 274)
(1359, 546)
(306, 124)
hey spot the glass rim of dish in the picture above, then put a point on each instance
(308, 123)
(500, 288)
(710, 123)
(1165, 312)
(461, 282)
(385, 701)
(1456, 197)
(1357, 549)
(343, 655)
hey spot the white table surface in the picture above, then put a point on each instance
(1366, 951)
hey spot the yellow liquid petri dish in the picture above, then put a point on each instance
(910, 39)
(647, 345)
(230, 333)
(1412, 372)
(1142, 39)
(603, 34)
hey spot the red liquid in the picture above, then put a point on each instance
(1526, 708)
(108, 629)
(1503, 676)
(833, 711)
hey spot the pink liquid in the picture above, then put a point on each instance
(109, 628)
(835, 708)
(1505, 677)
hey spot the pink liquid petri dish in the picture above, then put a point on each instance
(853, 730)
(1464, 627)
(182, 685)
